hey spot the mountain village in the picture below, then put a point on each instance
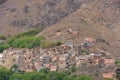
(64, 57)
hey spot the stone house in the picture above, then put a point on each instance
(48, 65)
(62, 58)
(73, 32)
(109, 62)
(62, 65)
(37, 65)
(58, 33)
(53, 68)
(110, 75)
(80, 59)
(70, 44)
(97, 55)
(62, 61)
(54, 59)
(89, 39)
(28, 70)
(58, 58)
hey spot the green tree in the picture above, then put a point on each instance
(109, 79)
(26, 42)
(49, 44)
(3, 47)
(68, 78)
(73, 69)
(16, 76)
(1, 78)
(84, 78)
(55, 76)
(34, 76)
(117, 63)
(31, 32)
(5, 74)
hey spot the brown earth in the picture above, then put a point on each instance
(91, 18)
(17, 16)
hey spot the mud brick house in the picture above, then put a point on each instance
(98, 55)
(74, 32)
(84, 48)
(54, 59)
(62, 61)
(80, 59)
(53, 68)
(89, 39)
(38, 65)
(109, 62)
(58, 33)
(109, 75)
(70, 44)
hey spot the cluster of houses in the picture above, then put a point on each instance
(59, 58)
(54, 59)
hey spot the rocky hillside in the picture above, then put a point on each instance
(104, 14)
(35, 13)
(94, 18)
(82, 18)
(23, 14)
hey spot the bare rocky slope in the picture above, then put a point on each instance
(24, 14)
(96, 19)
(91, 18)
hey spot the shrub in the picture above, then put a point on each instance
(84, 78)
(3, 47)
(109, 79)
(15, 76)
(58, 43)
(2, 37)
(32, 32)
(26, 42)
(117, 63)
(84, 51)
(49, 44)
(10, 40)
(42, 75)
(73, 69)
